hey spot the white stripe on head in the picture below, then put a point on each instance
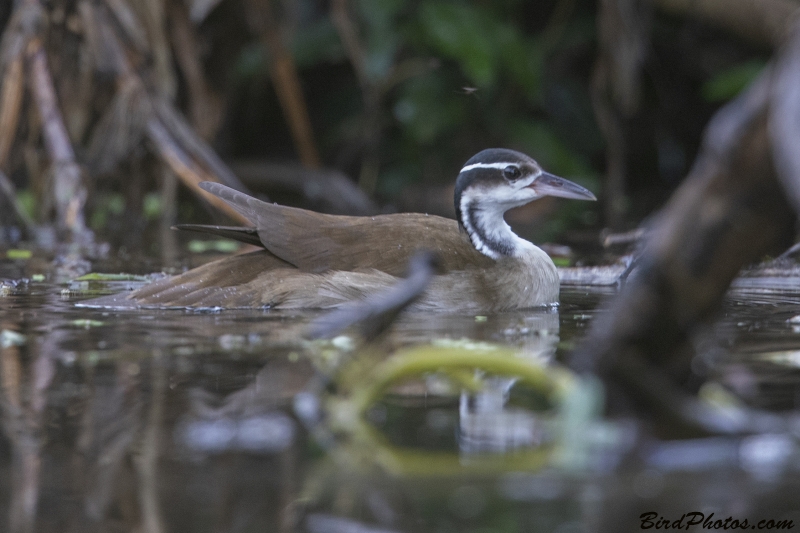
(500, 165)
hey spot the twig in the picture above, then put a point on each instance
(7, 189)
(134, 32)
(186, 169)
(169, 210)
(327, 190)
(764, 22)
(184, 135)
(348, 33)
(371, 94)
(155, 21)
(69, 192)
(287, 83)
(10, 106)
(205, 108)
(174, 140)
(615, 92)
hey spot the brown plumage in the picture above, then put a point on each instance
(313, 260)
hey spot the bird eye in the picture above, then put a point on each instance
(512, 172)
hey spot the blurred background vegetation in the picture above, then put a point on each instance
(355, 106)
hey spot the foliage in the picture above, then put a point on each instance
(730, 81)
(399, 93)
(450, 78)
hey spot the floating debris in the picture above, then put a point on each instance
(18, 254)
(197, 246)
(10, 338)
(96, 284)
(86, 323)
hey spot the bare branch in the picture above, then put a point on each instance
(68, 191)
(187, 170)
(10, 106)
(764, 22)
(205, 106)
(287, 83)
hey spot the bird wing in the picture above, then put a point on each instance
(316, 242)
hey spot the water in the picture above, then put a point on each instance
(231, 421)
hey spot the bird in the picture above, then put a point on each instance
(376, 313)
(315, 260)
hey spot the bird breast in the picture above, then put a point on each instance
(529, 279)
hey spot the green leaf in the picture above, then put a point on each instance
(730, 82)
(460, 32)
(152, 205)
(197, 246)
(27, 201)
(86, 323)
(313, 44)
(116, 203)
(428, 109)
(382, 39)
(251, 61)
(18, 254)
(524, 61)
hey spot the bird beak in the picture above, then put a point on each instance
(549, 185)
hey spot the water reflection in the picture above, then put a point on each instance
(173, 421)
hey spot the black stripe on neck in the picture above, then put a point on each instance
(478, 232)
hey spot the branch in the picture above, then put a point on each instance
(205, 106)
(69, 192)
(763, 22)
(739, 202)
(287, 83)
(190, 173)
(10, 106)
(7, 190)
(176, 143)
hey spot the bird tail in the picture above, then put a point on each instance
(237, 233)
(243, 203)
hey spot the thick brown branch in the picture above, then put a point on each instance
(730, 211)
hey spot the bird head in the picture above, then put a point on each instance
(499, 179)
(494, 181)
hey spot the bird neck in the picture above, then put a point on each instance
(488, 230)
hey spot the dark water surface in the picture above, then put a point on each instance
(176, 421)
